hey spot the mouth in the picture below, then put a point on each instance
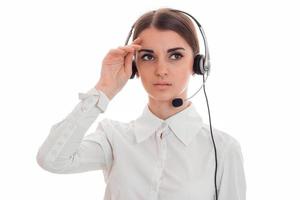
(162, 85)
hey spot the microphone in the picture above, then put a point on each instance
(177, 102)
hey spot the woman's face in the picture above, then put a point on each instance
(164, 56)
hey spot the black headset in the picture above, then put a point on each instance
(201, 66)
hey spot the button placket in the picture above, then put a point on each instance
(162, 162)
(161, 147)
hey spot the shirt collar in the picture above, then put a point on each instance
(184, 124)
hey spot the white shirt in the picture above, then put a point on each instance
(147, 158)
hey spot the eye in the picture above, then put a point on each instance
(177, 56)
(146, 57)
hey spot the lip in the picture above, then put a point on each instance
(162, 86)
(162, 83)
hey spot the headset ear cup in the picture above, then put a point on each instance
(198, 66)
(134, 70)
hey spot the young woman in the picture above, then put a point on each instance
(167, 152)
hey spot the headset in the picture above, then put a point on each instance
(201, 66)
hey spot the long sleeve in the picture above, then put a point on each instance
(233, 180)
(64, 150)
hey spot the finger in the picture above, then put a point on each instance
(130, 48)
(123, 50)
(135, 46)
(128, 63)
(118, 51)
(127, 50)
(137, 40)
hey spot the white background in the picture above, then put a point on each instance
(52, 50)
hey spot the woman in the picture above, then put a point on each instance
(166, 153)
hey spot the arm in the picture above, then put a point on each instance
(233, 180)
(64, 150)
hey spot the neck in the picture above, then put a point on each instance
(165, 109)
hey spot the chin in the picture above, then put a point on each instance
(161, 96)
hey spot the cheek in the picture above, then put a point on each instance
(182, 78)
(182, 81)
(146, 80)
(184, 71)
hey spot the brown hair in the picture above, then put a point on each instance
(166, 19)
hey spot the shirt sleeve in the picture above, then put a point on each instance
(65, 150)
(233, 182)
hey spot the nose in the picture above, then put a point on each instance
(161, 69)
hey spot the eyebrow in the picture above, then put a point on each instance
(169, 50)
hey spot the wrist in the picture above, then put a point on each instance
(105, 90)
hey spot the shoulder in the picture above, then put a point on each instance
(225, 142)
(114, 127)
(115, 124)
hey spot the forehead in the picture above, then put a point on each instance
(153, 38)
